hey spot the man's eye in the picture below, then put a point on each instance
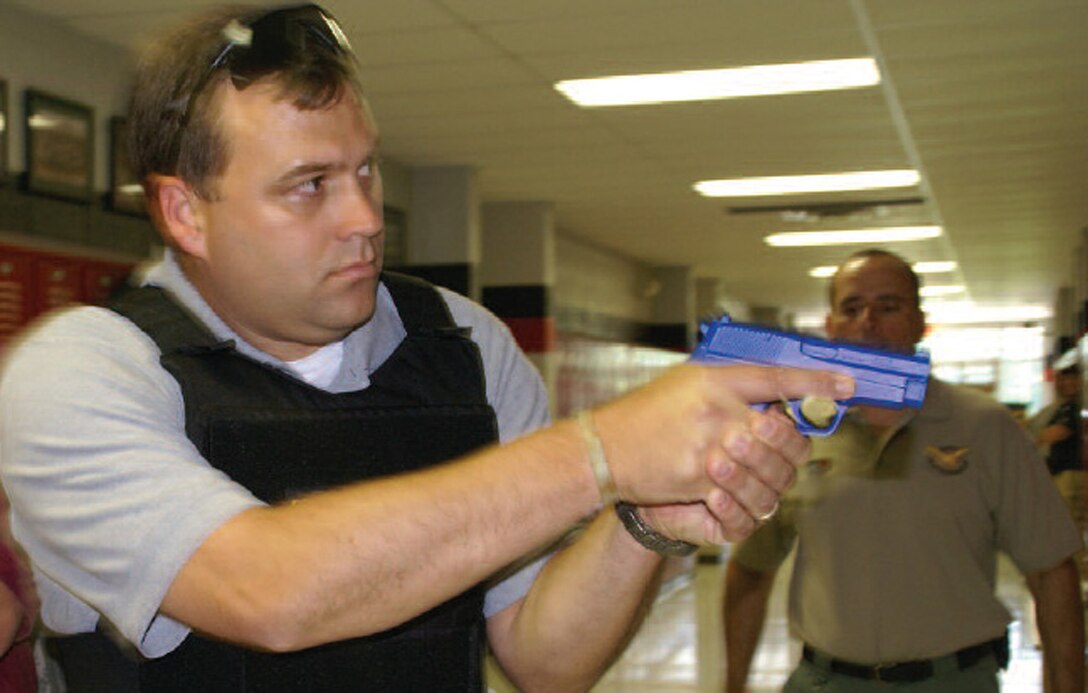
(369, 168)
(312, 186)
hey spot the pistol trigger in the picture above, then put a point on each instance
(809, 429)
(815, 416)
(794, 409)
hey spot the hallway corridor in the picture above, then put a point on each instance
(679, 648)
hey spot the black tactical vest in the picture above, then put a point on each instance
(280, 437)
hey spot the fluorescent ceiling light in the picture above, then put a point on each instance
(963, 348)
(728, 83)
(874, 236)
(966, 312)
(798, 185)
(946, 290)
(935, 267)
(953, 313)
(825, 271)
(809, 321)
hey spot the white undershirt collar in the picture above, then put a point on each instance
(321, 367)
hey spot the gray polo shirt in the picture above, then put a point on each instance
(897, 535)
(110, 498)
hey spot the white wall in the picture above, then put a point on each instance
(600, 282)
(43, 54)
(46, 55)
(397, 185)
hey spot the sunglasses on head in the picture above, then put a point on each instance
(269, 43)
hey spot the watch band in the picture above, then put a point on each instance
(648, 536)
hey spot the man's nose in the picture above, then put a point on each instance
(868, 315)
(362, 213)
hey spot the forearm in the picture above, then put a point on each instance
(1054, 434)
(364, 558)
(598, 588)
(1060, 617)
(744, 610)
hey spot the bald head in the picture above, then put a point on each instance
(892, 261)
(874, 302)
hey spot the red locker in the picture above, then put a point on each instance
(57, 282)
(101, 279)
(16, 292)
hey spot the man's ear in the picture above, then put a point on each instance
(176, 209)
(921, 326)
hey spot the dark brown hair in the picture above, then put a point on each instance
(160, 139)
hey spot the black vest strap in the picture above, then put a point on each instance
(172, 327)
(418, 303)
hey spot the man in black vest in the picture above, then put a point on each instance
(230, 479)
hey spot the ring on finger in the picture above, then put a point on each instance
(767, 515)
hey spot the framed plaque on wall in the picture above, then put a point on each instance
(59, 147)
(5, 125)
(126, 193)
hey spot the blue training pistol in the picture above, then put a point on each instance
(882, 378)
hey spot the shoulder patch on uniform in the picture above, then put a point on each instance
(949, 459)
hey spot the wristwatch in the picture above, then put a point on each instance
(648, 536)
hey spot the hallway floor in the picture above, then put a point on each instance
(679, 648)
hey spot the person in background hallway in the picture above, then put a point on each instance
(230, 479)
(1057, 429)
(898, 518)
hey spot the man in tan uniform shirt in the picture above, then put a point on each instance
(898, 518)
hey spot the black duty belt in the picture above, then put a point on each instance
(912, 671)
